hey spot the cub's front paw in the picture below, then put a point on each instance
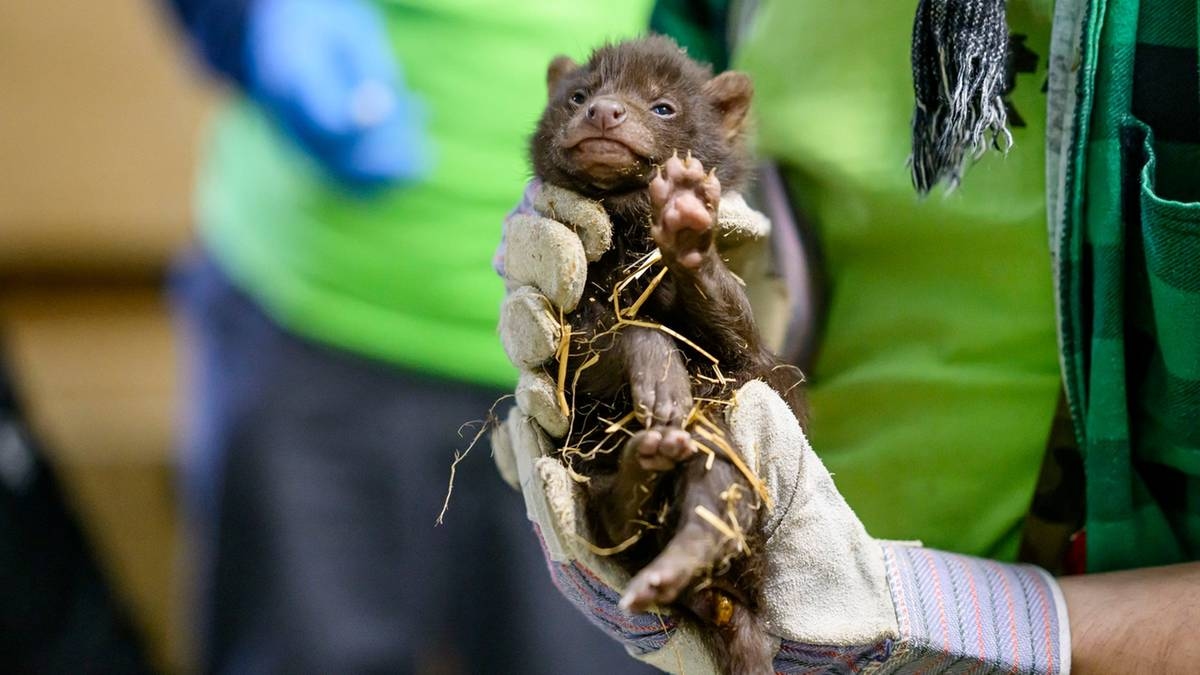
(683, 202)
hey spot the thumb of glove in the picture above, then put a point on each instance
(825, 576)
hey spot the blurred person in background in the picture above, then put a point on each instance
(341, 314)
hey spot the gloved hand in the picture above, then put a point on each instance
(838, 600)
(324, 70)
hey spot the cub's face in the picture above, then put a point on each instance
(610, 121)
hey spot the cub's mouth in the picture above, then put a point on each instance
(605, 151)
(608, 163)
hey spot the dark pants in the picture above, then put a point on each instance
(312, 480)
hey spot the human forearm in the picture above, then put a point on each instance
(1137, 621)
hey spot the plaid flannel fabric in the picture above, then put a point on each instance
(1124, 169)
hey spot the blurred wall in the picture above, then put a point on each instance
(99, 121)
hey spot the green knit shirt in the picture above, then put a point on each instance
(937, 375)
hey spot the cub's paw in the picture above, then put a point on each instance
(667, 576)
(683, 202)
(661, 449)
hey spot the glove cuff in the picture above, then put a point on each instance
(958, 611)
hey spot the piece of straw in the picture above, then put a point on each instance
(612, 550)
(712, 433)
(564, 354)
(632, 310)
(619, 425)
(716, 522)
(487, 423)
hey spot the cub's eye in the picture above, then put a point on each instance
(578, 98)
(663, 109)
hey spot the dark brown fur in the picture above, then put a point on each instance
(701, 300)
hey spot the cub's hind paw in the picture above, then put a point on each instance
(661, 449)
(666, 577)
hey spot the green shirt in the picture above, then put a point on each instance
(404, 277)
(937, 376)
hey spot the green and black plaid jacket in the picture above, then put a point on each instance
(1123, 168)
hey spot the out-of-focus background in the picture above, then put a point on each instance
(96, 164)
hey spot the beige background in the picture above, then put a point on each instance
(100, 115)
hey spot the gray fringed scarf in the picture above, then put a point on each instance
(959, 58)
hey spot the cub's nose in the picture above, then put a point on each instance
(606, 113)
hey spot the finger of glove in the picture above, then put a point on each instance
(523, 207)
(645, 636)
(547, 255)
(824, 572)
(738, 223)
(529, 332)
(554, 501)
(537, 396)
(504, 456)
(590, 582)
(585, 216)
(530, 446)
(688, 652)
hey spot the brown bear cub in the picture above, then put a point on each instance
(663, 341)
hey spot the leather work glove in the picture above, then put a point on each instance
(325, 72)
(836, 599)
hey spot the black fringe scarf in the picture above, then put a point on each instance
(959, 61)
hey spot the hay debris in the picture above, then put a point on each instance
(619, 425)
(710, 432)
(719, 525)
(632, 310)
(709, 437)
(490, 421)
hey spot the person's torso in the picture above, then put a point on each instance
(406, 276)
(937, 374)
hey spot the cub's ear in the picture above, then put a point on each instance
(559, 67)
(730, 92)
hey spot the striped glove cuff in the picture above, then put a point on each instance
(956, 613)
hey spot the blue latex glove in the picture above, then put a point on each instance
(323, 69)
